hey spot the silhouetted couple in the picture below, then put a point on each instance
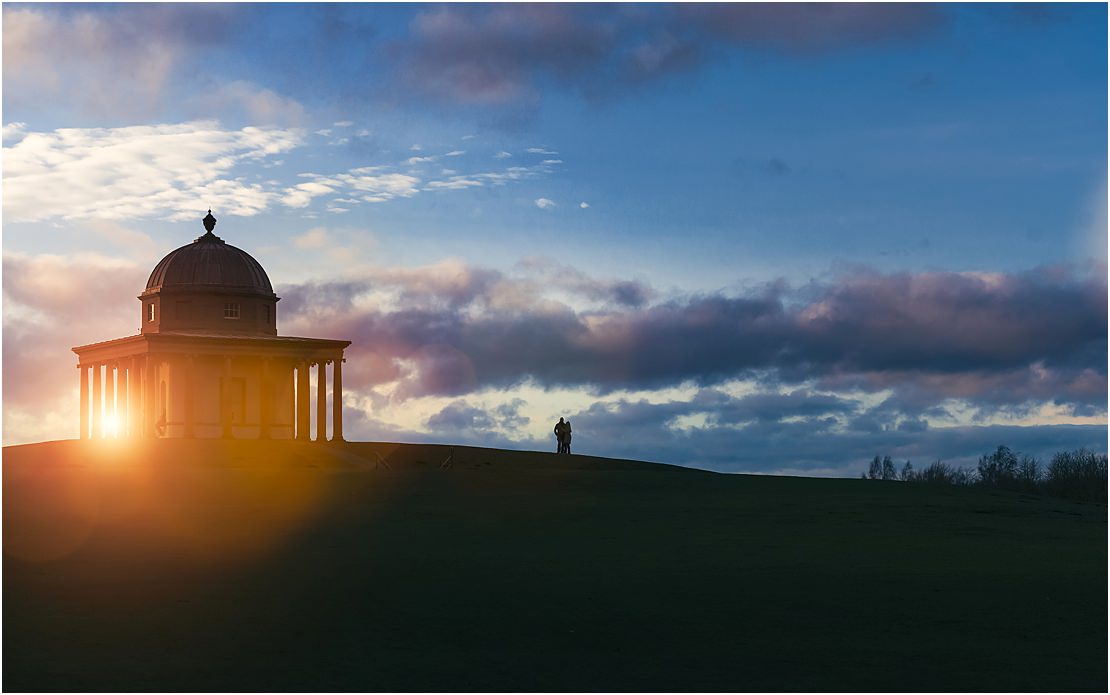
(562, 434)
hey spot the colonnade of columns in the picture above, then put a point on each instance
(302, 414)
(117, 398)
(125, 397)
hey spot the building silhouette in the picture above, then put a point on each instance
(208, 361)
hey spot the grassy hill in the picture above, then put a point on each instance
(279, 566)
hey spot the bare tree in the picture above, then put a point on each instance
(907, 472)
(1029, 474)
(940, 472)
(875, 472)
(998, 469)
(889, 472)
(1078, 474)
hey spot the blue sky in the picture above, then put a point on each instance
(668, 222)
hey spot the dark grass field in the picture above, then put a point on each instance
(274, 566)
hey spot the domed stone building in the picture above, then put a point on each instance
(208, 361)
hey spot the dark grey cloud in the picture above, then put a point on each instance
(802, 27)
(998, 340)
(491, 54)
(771, 407)
(504, 54)
(462, 419)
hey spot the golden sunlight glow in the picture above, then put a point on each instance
(164, 494)
(113, 426)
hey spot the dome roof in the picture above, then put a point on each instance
(210, 263)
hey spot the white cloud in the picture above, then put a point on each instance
(324, 132)
(540, 150)
(364, 182)
(456, 153)
(456, 183)
(170, 171)
(382, 187)
(175, 171)
(14, 131)
(544, 203)
(489, 178)
(583, 205)
(552, 161)
(86, 58)
(343, 124)
(250, 102)
(502, 155)
(416, 148)
(301, 195)
(314, 238)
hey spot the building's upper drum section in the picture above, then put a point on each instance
(210, 263)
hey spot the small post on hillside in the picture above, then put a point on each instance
(381, 462)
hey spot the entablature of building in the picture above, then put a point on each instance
(108, 350)
(208, 344)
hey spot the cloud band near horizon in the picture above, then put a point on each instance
(997, 339)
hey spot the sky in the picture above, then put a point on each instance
(774, 238)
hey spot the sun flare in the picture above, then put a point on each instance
(113, 426)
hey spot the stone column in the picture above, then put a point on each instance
(150, 399)
(302, 401)
(190, 374)
(322, 401)
(225, 400)
(110, 399)
(264, 399)
(84, 369)
(98, 402)
(292, 374)
(122, 406)
(134, 398)
(337, 400)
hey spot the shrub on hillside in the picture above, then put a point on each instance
(940, 472)
(998, 469)
(1078, 474)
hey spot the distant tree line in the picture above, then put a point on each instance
(1078, 474)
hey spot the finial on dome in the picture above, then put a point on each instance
(209, 221)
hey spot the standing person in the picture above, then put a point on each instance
(566, 438)
(560, 428)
